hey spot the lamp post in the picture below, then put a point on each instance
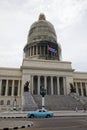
(43, 93)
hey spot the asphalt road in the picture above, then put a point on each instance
(55, 123)
(59, 123)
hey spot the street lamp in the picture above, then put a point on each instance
(43, 93)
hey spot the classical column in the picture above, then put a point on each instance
(58, 86)
(30, 51)
(76, 88)
(51, 85)
(36, 50)
(6, 92)
(32, 84)
(81, 89)
(38, 85)
(19, 88)
(0, 86)
(45, 82)
(13, 88)
(64, 85)
(33, 50)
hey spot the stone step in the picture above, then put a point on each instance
(55, 102)
(29, 103)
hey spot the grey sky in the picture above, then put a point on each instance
(69, 18)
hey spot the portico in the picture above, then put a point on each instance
(55, 80)
(53, 84)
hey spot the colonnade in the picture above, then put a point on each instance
(38, 50)
(54, 85)
(10, 87)
(81, 88)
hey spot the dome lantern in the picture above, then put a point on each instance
(42, 17)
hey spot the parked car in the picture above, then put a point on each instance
(40, 113)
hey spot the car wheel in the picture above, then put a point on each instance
(47, 116)
(32, 116)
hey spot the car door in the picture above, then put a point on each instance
(39, 114)
(44, 113)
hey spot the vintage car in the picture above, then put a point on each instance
(40, 113)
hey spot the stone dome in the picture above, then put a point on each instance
(42, 41)
(42, 30)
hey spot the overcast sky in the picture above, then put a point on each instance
(69, 18)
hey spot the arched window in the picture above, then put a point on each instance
(8, 102)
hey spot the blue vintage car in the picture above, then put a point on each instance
(40, 113)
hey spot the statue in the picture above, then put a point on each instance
(72, 88)
(26, 86)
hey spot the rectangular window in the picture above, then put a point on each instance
(84, 89)
(15, 91)
(15, 87)
(34, 50)
(31, 50)
(79, 88)
(9, 87)
(42, 50)
(9, 90)
(38, 49)
(3, 88)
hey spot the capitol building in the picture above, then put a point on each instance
(42, 66)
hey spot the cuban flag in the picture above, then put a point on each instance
(52, 49)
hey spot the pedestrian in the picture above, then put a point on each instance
(76, 109)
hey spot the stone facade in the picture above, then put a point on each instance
(40, 69)
(10, 87)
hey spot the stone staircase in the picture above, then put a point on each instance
(54, 102)
(81, 99)
(29, 103)
(61, 102)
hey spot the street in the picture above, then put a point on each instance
(59, 123)
(55, 123)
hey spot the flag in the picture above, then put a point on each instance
(52, 49)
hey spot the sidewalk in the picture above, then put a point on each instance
(70, 113)
(21, 114)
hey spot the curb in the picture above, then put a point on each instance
(5, 117)
(17, 127)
